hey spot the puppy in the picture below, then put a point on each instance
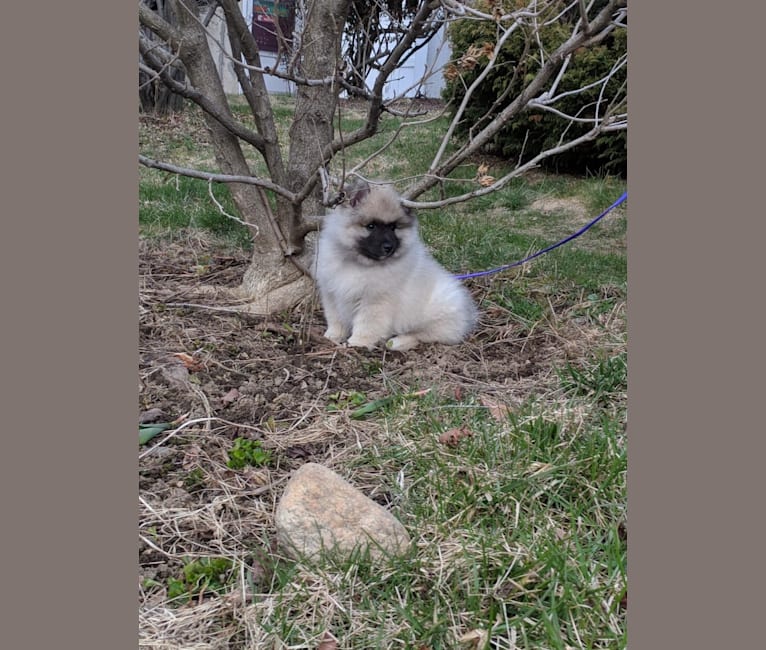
(378, 282)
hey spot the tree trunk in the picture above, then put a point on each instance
(312, 127)
(272, 282)
(311, 131)
(153, 96)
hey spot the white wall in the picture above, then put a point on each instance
(425, 64)
(216, 35)
(439, 53)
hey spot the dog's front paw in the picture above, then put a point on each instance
(402, 342)
(336, 334)
(362, 341)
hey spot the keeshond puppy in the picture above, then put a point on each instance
(378, 282)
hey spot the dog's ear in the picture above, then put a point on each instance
(357, 192)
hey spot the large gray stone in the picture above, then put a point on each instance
(320, 513)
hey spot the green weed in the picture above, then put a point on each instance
(205, 576)
(246, 451)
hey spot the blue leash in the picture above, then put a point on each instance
(549, 248)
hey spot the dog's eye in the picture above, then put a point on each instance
(370, 226)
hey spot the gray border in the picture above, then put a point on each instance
(69, 326)
(69, 262)
(694, 488)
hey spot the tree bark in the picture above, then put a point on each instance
(272, 281)
(312, 127)
(155, 97)
(310, 133)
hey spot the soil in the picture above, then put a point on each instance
(228, 375)
(277, 365)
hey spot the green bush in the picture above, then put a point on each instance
(534, 130)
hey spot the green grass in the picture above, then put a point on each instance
(597, 379)
(518, 529)
(583, 269)
(174, 203)
(600, 192)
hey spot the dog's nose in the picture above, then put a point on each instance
(388, 248)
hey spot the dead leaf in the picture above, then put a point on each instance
(453, 436)
(187, 359)
(191, 364)
(231, 396)
(482, 177)
(451, 72)
(498, 411)
(329, 642)
(476, 637)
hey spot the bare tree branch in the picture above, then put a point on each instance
(210, 12)
(469, 93)
(218, 178)
(256, 229)
(254, 88)
(151, 20)
(516, 172)
(601, 26)
(377, 106)
(149, 52)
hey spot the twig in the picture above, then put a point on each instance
(221, 209)
(518, 171)
(173, 433)
(219, 178)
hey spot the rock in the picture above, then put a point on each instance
(152, 415)
(319, 511)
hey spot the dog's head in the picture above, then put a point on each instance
(380, 226)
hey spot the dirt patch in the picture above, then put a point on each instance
(572, 207)
(277, 366)
(275, 380)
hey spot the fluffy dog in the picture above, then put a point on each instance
(378, 282)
